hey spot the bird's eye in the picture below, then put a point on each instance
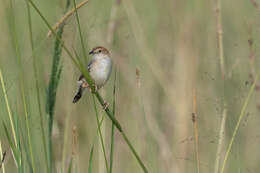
(99, 51)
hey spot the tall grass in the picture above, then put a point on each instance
(98, 96)
(173, 44)
(113, 127)
(22, 85)
(36, 77)
(51, 96)
(100, 134)
(53, 85)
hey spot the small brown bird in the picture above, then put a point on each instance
(99, 69)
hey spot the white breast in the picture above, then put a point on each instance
(100, 70)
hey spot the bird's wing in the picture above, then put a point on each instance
(90, 64)
(89, 67)
(81, 77)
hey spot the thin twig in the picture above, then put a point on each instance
(195, 127)
(65, 17)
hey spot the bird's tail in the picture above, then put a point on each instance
(78, 95)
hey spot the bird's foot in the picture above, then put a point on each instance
(91, 90)
(105, 105)
(84, 85)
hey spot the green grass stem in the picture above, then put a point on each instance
(80, 33)
(8, 108)
(21, 72)
(242, 114)
(113, 127)
(90, 162)
(100, 133)
(53, 85)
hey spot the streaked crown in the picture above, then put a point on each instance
(98, 50)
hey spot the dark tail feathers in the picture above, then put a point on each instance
(78, 95)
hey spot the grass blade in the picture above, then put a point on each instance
(70, 166)
(8, 108)
(242, 113)
(100, 133)
(90, 163)
(2, 158)
(80, 33)
(21, 72)
(113, 127)
(37, 84)
(53, 86)
(52, 90)
(13, 148)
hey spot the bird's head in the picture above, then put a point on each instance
(99, 51)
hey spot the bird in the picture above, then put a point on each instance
(99, 69)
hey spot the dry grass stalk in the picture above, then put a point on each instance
(74, 140)
(66, 16)
(222, 68)
(195, 126)
(220, 141)
(75, 148)
(220, 38)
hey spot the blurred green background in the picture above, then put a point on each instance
(162, 50)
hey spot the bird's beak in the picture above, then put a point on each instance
(91, 52)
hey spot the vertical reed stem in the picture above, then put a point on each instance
(195, 127)
(222, 70)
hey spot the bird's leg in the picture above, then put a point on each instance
(93, 91)
(86, 85)
(96, 88)
(105, 105)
